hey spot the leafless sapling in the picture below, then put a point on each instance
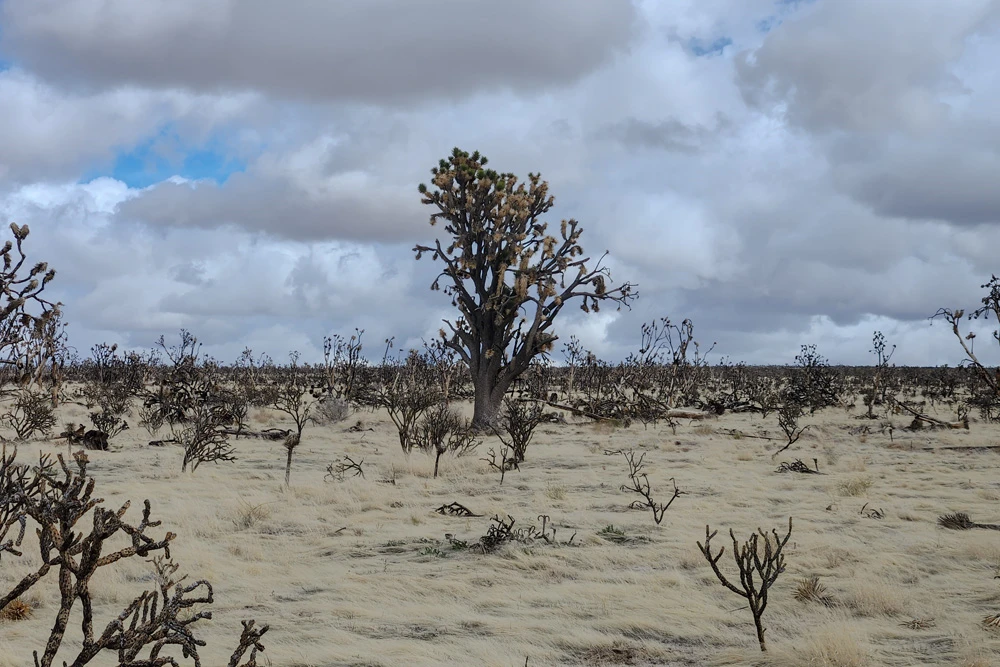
(575, 357)
(293, 399)
(788, 422)
(639, 483)
(986, 393)
(342, 362)
(506, 275)
(442, 429)
(406, 395)
(251, 379)
(515, 425)
(30, 412)
(202, 439)
(502, 461)
(760, 560)
(443, 363)
(877, 391)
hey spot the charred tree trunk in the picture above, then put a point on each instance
(490, 387)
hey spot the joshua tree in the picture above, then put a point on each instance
(759, 560)
(32, 339)
(986, 393)
(508, 277)
(60, 500)
(293, 399)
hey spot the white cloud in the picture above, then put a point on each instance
(814, 181)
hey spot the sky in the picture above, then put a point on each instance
(781, 172)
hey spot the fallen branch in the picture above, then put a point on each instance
(798, 466)
(962, 521)
(455, 509)
(920, 417)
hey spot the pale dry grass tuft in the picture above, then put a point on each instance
(835, 645)
(247, 516)
(875, 599)
(855, 486)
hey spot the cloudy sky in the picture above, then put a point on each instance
(780, 171)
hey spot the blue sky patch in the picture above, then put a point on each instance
(166, 155)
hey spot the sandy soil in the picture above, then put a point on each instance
(359, 572)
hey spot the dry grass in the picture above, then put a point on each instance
(836, 645)
(855, 486)
(18, 610)
(360, 572)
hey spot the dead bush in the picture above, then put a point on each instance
(31, 413)
(58, 499)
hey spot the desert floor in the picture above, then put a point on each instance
(359, 572)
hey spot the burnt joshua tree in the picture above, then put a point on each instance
(760, 562)
(506, 274)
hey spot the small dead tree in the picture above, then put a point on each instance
(30, 412)
(202, 439)
(502, 461)
(251, 378)
(443, 430)
(877, 391)
(506, 275)
(406, 395)
(293, 399)
(986, 396)
(639, 483)
(788, 422)
(443, 363)
(516, 425)
(760, 561)
(575, 357)
(342, 362)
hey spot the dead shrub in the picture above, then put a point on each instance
(17, 610)
(31, 413)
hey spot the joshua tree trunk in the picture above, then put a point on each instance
(291, 442)
(487, 403)
(491, 383)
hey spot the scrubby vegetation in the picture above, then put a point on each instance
(490, 503)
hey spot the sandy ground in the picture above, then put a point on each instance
(359, 572)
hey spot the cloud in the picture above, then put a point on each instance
(862, 66)
(828, 173)
(378, 51)
(51, 134)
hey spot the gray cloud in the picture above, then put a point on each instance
(375, 51)
(51, 134)
(278, 208)
(668, 135)
(836, 178)
(952, 179)
(865, 66)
